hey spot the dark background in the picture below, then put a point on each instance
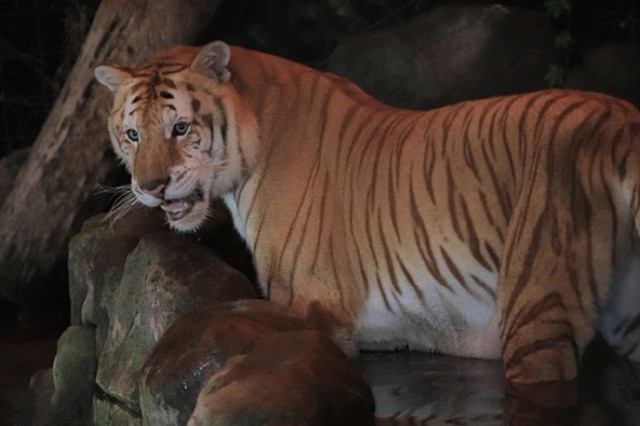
(39, 39)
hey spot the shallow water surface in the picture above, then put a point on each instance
(426, 389)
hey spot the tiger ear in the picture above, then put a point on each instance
(212, 61)
(112, 76)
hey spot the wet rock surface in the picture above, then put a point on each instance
(156, 315)
(289, 378)
(129, 281)
(164, 277)
(198, 345)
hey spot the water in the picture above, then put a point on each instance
(426, 389)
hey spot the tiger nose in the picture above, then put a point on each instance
(155, 187)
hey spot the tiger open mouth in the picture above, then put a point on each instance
(178, 208)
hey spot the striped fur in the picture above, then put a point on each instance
(504, 227)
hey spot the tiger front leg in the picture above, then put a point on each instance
(323, 311)
(339, 329)
(546, 301)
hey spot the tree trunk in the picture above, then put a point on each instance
(71, 155)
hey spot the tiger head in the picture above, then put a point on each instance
(181, 129)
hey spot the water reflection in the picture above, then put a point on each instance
(414, 388)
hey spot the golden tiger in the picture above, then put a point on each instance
(504, 227)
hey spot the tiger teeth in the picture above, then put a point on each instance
(177, 209)
(173, 205)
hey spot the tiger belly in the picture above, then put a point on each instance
(453, 324)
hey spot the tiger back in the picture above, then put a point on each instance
(500, 228)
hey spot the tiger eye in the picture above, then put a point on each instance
(180, 128)
(132, 135)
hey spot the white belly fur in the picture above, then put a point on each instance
(454, 324)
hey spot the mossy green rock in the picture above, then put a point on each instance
(166, 275)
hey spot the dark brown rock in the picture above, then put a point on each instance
(62, 395)
(450, 54)
(199, 344)
(611, 69)
(38, 399)
(289, 378)
(73, 376)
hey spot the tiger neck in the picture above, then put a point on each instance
(269, 86)
(262, 82)
(249, 76)
(285, 99)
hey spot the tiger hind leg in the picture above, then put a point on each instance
(545, 302)
(542, 343)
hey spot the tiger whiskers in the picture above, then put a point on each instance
(125, 202)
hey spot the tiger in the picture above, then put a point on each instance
(503, 228)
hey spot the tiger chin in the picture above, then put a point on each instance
(503, 228)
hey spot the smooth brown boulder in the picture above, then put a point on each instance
(197, 346)
(289, 378)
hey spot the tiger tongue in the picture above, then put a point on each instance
(177, 209)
